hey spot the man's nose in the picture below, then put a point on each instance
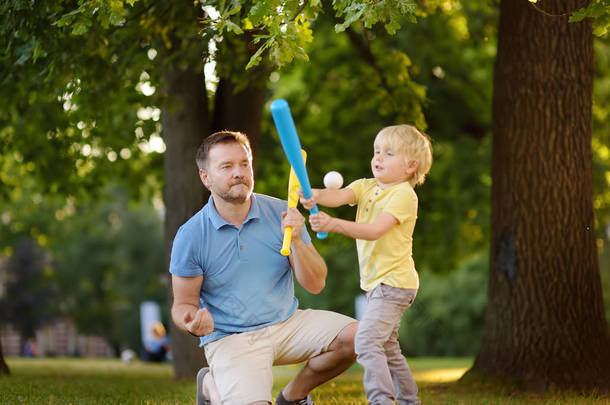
(239, 172)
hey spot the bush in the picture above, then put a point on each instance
(447, 316)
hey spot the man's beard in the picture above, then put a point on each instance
(236, 197)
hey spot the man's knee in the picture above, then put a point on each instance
(345, 341)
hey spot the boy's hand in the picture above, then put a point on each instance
(308, 202)
(321, 222)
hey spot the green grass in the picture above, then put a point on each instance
(109, 381)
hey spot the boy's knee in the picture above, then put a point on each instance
(366, 341)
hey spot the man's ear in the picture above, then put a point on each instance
(203, 175)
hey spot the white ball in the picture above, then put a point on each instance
(333, 180)
(128, 355)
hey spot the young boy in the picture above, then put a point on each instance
(387, 210)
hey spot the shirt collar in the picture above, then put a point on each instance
(219, 221)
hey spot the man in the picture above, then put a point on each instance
(234, 289)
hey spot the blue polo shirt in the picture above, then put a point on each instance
(247, 283)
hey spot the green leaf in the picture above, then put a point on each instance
(80, 27)
(232, 27)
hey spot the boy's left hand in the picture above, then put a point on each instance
(321, 222)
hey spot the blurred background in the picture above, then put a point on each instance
(82, 177)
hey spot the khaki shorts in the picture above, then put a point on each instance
(241, 363)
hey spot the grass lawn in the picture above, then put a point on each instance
(109, 381)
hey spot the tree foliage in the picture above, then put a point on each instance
(285, 27)
(83, 87)
(599, 11)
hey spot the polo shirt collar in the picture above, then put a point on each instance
(219, 221)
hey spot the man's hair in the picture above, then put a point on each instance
(411, 144)
(220, 137)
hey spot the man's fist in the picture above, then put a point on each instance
(199, 323)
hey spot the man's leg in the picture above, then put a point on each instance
(209, 390)
(321, 368)
(240, 369)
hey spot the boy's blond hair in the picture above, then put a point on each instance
(411, 144)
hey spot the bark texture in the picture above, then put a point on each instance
(4, 370)
(545, 324)
(185, 124)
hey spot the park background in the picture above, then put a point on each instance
(104, 104)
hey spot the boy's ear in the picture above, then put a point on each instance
(412, 166)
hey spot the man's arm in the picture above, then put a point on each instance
(322, 222)
(309, 267)
(185, 310)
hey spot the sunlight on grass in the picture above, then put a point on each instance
(110, 381)
(441, 375)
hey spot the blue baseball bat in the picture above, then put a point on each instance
(280, 111)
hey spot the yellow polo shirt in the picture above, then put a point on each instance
(389, 259)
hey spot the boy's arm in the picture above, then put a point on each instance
(329, 197)
(323, 222)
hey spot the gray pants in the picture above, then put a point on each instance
(387, 376)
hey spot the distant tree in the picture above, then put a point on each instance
(27, 302)
(108, 258)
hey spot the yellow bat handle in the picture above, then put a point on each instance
(293, 199)
(287, 239)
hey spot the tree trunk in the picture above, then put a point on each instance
(240, 96)
(185, 124)
(4, 370)
(545, 324)
(239, 110)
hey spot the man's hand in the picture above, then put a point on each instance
(199, 323)
(294, 219)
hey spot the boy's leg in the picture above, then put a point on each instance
(240, 367)
(384, 309)
(404, 383)
(322, 338)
